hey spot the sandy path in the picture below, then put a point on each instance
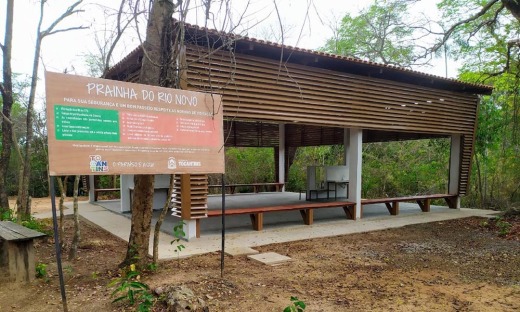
(43, 204)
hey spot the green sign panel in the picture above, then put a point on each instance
(73, 123)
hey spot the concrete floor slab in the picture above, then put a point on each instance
(236, 251)
(270, 258)
(278, 227)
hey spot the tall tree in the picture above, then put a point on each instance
(23, 201)
(155, 70)
(383, 32)
(484, 35)
(6, 88)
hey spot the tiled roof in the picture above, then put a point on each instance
(477, 88)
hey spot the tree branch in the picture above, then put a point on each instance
(66, 29)
(120, 31)
(450, 31)
(15, 140)
(70, 10)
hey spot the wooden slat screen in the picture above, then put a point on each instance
(190, 196)
(255, 88)
(250, 134)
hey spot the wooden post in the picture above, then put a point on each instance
(308, 216)
(350, 211)
(258, 221)
(455, 163)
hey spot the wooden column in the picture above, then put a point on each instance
(455, 162)
(190, 201)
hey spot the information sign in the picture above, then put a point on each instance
(99, 126)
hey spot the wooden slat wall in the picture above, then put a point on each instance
(259, 89)
(250, 134)
(190, 196)
(255, 88)
(465, 164)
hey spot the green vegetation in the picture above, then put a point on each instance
(41, 272)
(504, 225)
(178, 234)
(295, 306)
(130, 289)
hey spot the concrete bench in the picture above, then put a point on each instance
(392, 204)
(306, 210)
(17, 252)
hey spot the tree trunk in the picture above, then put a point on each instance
(159, 222)
(142, 205)
(75, 240)
(156, 47)
(514, 7)
(7, 104)
(24, 209)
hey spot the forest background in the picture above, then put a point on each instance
(486, 45)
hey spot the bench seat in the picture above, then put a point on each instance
(306, 210)
(392, 203)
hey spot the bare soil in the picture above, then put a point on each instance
(43, 204)
(459, 265)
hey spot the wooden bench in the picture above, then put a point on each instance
(392, 204)
(306, 210)
(17, 252)
(278, 186)
(105, 190)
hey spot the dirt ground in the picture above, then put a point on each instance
(43, 204)
(459, 265)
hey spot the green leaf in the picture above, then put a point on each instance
(138, 285)
(119, 299)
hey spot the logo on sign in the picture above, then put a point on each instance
(189, 163)
(97, 164)
(172, 164)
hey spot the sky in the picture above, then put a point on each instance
(67, 50)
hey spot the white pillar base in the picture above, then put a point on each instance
(457, 203)
(190, 229)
